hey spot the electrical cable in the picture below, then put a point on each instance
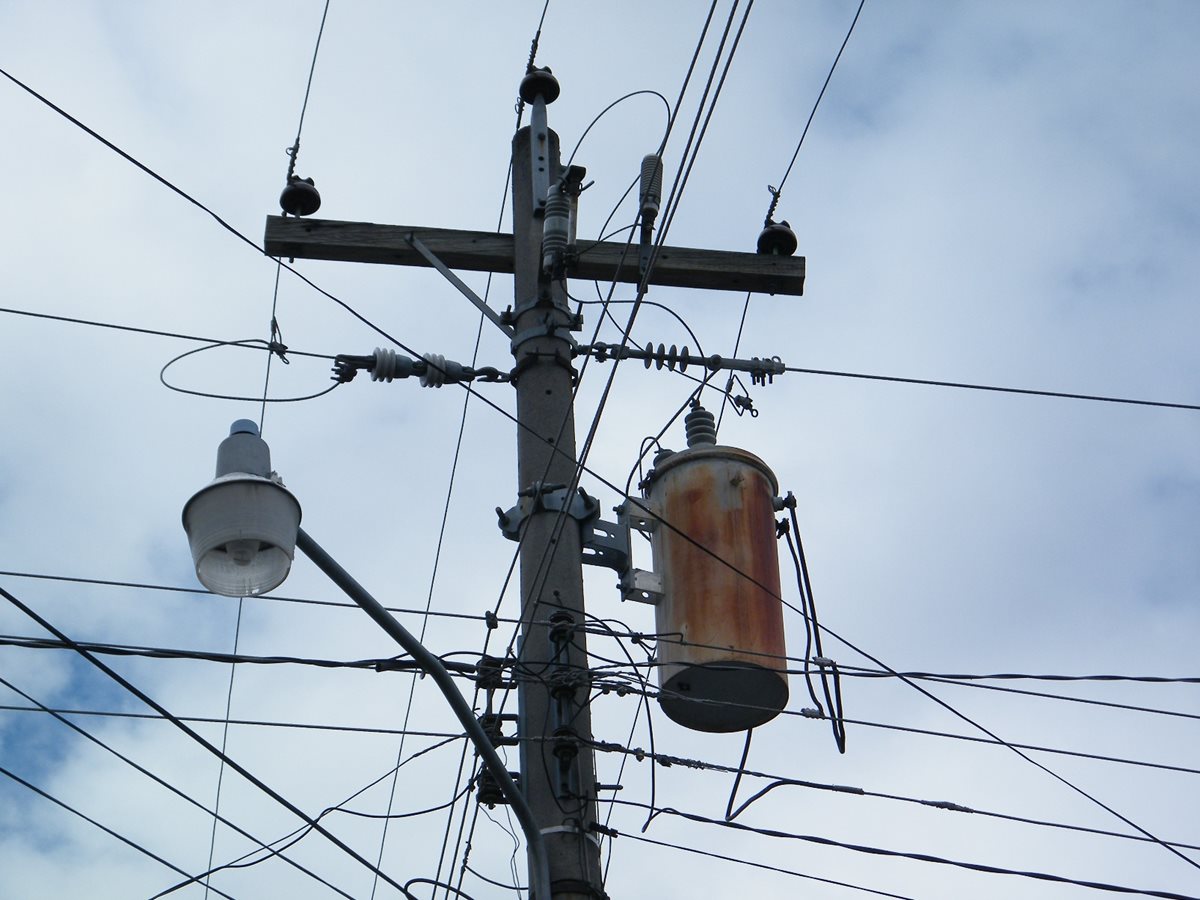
(641, 838)
(246, 860)
(120, 837)
(380, 664)
(276, 598)
(271, 351)
(929, 382)
(60, 715)
(777, 781)
(600, 115)
(1089, 701)
(195, 736)
(776, 191)
(151, 331)
(812, 628)
(990, 740)
(918, 857)
(214, 720)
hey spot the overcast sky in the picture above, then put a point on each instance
(1001, 194)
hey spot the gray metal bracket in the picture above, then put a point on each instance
(603, 543)
(552, 497)
(431, 258)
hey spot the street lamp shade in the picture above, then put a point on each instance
(242, 526)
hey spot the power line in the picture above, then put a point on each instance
(918, 857)
(381, 664)
(275, 598)
(195, 736)
(757, 865)
(994, 388)
(120, 837)
(61, 717)
(991, 740)
(778, 781)
(151, 331)
(213, 720)
(775, 192)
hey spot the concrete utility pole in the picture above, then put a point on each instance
(557, 772)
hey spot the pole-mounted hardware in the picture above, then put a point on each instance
(434, 369)
(762, 371)
(603, 543)
(539, 88)
(466, 291)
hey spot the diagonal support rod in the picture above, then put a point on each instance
(482, 306)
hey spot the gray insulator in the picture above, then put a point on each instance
(389, 365)
(651, 193)
(439, 371)
(701, 427)
(556, 229)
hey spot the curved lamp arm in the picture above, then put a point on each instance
(429, 663)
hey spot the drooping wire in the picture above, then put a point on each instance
(641, 838)
(812, 632)
(777, 781)
(291, 839)
(120, 837)
(197, 737)
(60, 715)
(272, 347)
(918, 857)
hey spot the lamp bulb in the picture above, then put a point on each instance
(243, 551)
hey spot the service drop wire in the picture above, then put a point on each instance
(812, 635)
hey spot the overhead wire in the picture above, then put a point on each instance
(294, 837)
(777, 781)
(998, 389)
(776, 191)
(198, 738)
(641, 838)
(108, 748)
(920, 857)
(109, 831)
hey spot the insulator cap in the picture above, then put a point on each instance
(539, 83)
(300, 197)
(701, 427)
(777, 239)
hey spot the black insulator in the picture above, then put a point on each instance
(539, 83)
(777, 239)
(300, 197)
(701, 427)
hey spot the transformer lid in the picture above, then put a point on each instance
(662, 465)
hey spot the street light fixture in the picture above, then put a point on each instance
(243, 529)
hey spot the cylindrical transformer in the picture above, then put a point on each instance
(720, 618)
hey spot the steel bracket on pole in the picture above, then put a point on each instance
(603, 543)
(431, 258)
